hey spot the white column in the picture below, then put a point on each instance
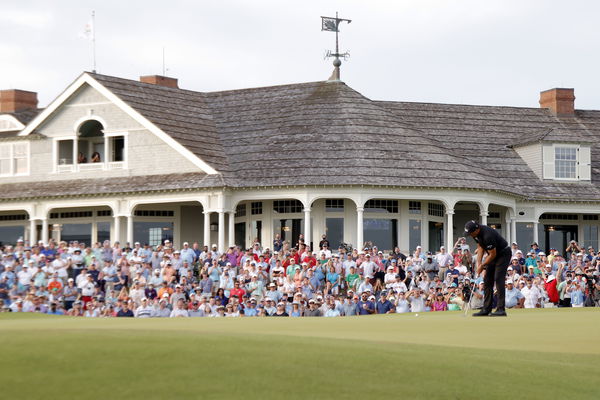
(45, 230)
(513, 229)
(483, 217)
(307, 227)
(117, 229)
(75, 152)
(206, 238)
(32, 232)
(231, 228)
(359, 228)
(450, 229)
(507, 229)
(535, 233)
(221, 231)
(130, 230)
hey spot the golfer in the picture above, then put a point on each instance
(498, 255)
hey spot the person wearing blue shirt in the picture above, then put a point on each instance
(187, 254)
(384, 306)
(365, 306)
(514, 297)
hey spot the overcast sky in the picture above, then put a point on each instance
(500, 52)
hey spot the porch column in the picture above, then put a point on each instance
(513, 229)
(231, 221)
(450, 229)
(221, 242)
(117, 229)
(45, 230)
(307, 227)
(359, 228)
(483, 215)
(206, 238)
(535, 232)
(508, 230)
(130, 230)
(32, 232)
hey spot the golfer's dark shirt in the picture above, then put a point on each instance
(490, 239)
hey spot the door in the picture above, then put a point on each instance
(559, 236)
(436, 235)
(288, 229)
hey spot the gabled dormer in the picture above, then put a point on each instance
(561, 153)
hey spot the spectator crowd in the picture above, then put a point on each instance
(283, 280)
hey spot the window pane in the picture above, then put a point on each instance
(379, 232)
(590, 236)
(103, 231)
(414, 234)
(20, 166)
(335, 231)
(79, 232)
(153, 233)
(5, 166)
(65, 152)
(10, 234)
(524, 235)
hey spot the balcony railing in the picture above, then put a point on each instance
(101, 166)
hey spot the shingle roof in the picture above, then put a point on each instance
(486, 132)
(182, 114)
(325, 133)
(107, 186)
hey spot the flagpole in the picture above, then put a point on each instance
(94, 40)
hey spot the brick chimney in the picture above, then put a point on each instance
(160, 80)
(12, 100)
(558, 100)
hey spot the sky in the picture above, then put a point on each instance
(493, 52)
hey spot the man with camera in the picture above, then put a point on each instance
(497, 258)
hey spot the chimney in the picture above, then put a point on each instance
(559, 101)
(160, 80)
(12, 100)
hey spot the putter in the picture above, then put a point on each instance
(468, 306)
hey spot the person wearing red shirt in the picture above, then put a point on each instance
(237, 291)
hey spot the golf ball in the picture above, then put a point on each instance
(416, 315)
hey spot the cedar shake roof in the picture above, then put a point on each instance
(108, 186)
(326, 133)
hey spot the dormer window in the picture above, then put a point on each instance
(91, 149)
(565, 162)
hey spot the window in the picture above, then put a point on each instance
(436, 210)
(287, 206)
(565, 162)
(71, 214)
(116, 148)
(154, 213)
(256, 208)
(14, 158)
(590, 236)
(13, 217)
(590, 217)
(494, 215)
(569, 217)
(382, 206)
(240, 210)
(65, 152)
(414, 207)
(414, 234)
(334, 205)
(104, 213)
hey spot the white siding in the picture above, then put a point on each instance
(532, 155)
(147, 154)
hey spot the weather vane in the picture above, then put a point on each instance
(332, 25)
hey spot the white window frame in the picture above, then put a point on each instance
(105, 165)
(555, 147)
(16, 124)
(12, 159)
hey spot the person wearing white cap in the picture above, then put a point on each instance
(514, 297)
(144, 310)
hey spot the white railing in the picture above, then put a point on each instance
(101, 166)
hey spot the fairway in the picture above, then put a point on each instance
(534, 354)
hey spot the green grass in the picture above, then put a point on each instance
(533, 354)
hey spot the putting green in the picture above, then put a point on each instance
(549, 353)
